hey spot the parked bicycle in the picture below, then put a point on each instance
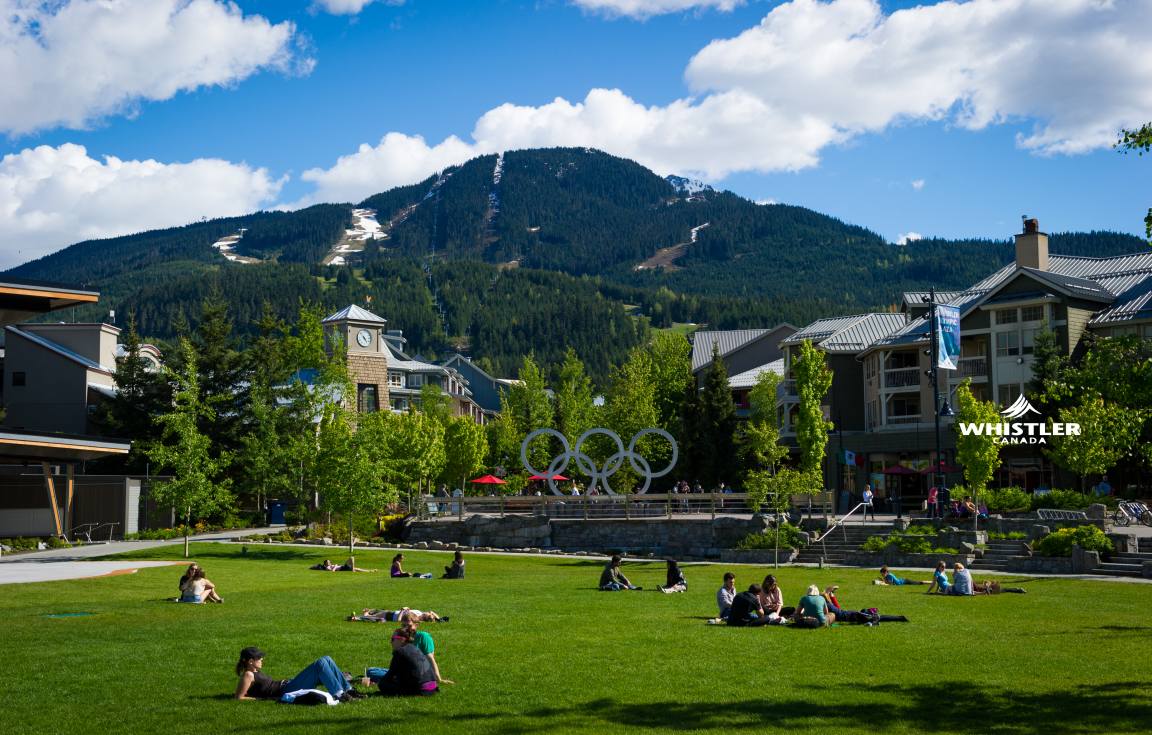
(1132, 511)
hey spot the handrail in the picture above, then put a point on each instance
(841, 521)
(87, 534)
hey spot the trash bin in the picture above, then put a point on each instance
(276, 510)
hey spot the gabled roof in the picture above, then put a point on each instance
(354, 313)
(849, 333)
(748, 378)
(1007, 298)
(728, 342)
(915, 331)
(1078, 286)
(63, 352)
(457, 357)
(921, 298)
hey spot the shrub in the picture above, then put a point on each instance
(391, 527)
(944, 550)
(58, 543)
(1059, 543)
(789, 539)
(1008, 500)
(995, 535)
(914, 546)
(920, 531)
(876, 543)
(1016, 536)
(1061, 500)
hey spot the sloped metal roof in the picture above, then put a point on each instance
(356, 314)
(915, 331)
(921, 298)
(1006, 298)
(849, 333)
(1079, 286)
(748, 378)
(64, 352)
(728, 341)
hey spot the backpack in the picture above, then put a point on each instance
(807, 621)
(863, 617)
(311, 698)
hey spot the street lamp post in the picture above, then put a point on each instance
(933, 375)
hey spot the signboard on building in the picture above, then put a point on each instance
(947, 337)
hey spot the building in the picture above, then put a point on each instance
(741, 350)
(485, 389)
(384, 374)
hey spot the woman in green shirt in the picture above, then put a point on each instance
(813, 607)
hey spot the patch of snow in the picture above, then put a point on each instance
(697, 229)
(337, 261)
(499, 172)
(687, 186)
(905, 239)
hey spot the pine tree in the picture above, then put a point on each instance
(141, 394)
(714, 452)
(221, 374)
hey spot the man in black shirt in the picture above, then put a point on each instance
(410, 672)
(743, 607)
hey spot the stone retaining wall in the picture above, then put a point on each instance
(757, 556)
(892, 557)
(702, 537)
(1039, 564)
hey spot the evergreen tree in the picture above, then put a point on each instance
(221, 374)
(711, 423)
(142, 393)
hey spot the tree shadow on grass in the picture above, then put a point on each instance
(233, 553)
(1114, 707)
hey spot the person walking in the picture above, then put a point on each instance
(868, 506)
(932, 508)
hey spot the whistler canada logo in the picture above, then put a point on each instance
(1020, 433)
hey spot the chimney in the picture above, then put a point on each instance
(1032, 247)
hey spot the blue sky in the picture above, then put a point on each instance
(926, 130)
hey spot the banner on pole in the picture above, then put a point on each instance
(947, 337)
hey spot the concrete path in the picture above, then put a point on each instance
(80, 553)
(20, 573)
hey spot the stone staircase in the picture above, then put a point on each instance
(995, 557)
(833, 548)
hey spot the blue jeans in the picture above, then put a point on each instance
(321, 671)
(376, 674)
(932, 510)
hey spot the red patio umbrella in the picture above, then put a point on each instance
(538, 477)
(489, 480)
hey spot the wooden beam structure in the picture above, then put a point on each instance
(52, 495)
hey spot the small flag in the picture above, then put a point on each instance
(851, 459)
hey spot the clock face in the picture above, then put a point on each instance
(364, 337)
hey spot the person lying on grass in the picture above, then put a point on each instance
(327, 566)
(992, 587)
(350, 566)
(410, 673)
(812, 610)
(888, 577)
(456, 571)
(199, 589)
(255, 684)
(397, 616)
(422, 640)
(725, 595)
(871, 615)
(676, 580)
(612, 579)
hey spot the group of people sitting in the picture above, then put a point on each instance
(195, 587)
(412, 671)
(348, 566)
(939, 584)
(763, 604)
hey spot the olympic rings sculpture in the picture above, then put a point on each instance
(588, 466)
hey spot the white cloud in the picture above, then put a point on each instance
(905, 239)
(52, 197)
(73, 62)
(643, 9)
(765, 202)
(814, 74)
(350, 7)
(918, 184)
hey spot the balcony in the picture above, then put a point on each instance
(786, 389)
(892, 420)
(901, 378)
(973, 367)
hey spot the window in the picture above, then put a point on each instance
(903, 361)
(396, 380)
(17, 380)
(871, 415)
(1009, 394)
(905, 406)
(1006, 316)
(415, 381)
(1124, 331)
(92, 409)
(870, 369)
(1148, 331)
(366, 398)
(1031, 313)
(1007, 344)
(1029, 341)
(399, 404)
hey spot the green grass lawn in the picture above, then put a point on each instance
(534, 647)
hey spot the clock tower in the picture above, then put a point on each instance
(360, 331)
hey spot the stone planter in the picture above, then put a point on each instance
(1040, 564)
(757, 556)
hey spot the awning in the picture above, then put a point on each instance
(43, 446)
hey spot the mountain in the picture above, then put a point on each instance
(533, 250)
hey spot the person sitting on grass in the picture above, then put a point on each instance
(398, 571)
(199, 589)
(746, 611)
(612, 579)
(725, 595)
(888, 577)
(771, 597)
(255, 684)
(456, 571)
(676, 580)
(422, 640)
(187, 576)
(993, 588)
(940, 582)
(410, 673)
(961, 581)
(326, 566)
(812, 610)
(350, 566)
